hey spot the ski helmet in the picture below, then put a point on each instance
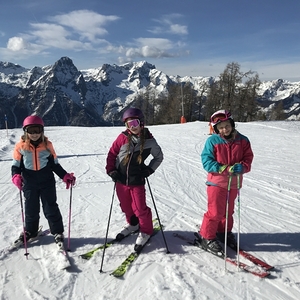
(133, 113)
(33, 120)
(221, 116)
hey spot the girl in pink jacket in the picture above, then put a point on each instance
(226, 154)
(126, 166)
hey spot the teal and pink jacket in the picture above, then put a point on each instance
(219, 151)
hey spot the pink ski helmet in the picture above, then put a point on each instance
(33, 120)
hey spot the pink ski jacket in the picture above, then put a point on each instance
(131, 173)
(219, 151)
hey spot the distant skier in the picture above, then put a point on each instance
(34, 161)
(226, 153)
(126, 166)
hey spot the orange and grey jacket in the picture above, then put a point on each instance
(36, 164)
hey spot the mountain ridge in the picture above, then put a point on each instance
(65, 96)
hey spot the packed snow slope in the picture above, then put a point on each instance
(269, 220)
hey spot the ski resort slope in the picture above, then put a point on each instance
(269, 220)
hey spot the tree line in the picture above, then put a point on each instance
(233, 90)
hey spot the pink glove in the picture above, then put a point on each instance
(18, 181)
(69, 179)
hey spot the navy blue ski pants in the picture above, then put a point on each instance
(48, 198)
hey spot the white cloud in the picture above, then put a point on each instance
(155, 42)
(52, 35)
(17, 44)
(86, 23)
(178, 29)
(167, 25)
(77, 30)
(150, 48)
(83, 30)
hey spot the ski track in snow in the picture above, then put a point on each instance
(269, 220)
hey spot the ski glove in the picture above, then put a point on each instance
(69, 179)
(147, 172)
(18, 181)
(236, 169)
(222, 168)
(114, 175)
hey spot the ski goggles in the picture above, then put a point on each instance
(133, 123)
(219, 118)
(34, 129)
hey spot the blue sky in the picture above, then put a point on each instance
(185, 38)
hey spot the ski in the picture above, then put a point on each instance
(123, 267)
(262, 272)
(247, 268)
(90, 253)
(14, 247)
(255, 260)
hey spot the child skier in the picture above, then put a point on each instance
(34, 161)
(126, 166)
(226, 154)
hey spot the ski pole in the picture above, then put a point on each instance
(24, 228)
(239, 219)
(69, 227)
(226, 222)
(162, 231)
(111, 206)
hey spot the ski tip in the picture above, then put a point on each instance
(117, 275)
(86, 257)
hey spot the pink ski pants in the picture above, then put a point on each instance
(133, 202)
(214, 219)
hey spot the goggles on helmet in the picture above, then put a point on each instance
(133, 123)
(219, 118)
(34, 129)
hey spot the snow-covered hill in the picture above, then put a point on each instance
(269, 220)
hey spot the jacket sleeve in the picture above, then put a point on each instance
(157, 154)
(208, 158)
(16, 167)
(248, 157)
(113, 153)
(53, 160)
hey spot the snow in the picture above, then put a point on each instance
(269, 220)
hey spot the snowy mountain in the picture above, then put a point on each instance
(267, 215)
(64, 95)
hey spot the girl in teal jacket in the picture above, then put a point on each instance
(226, 154)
